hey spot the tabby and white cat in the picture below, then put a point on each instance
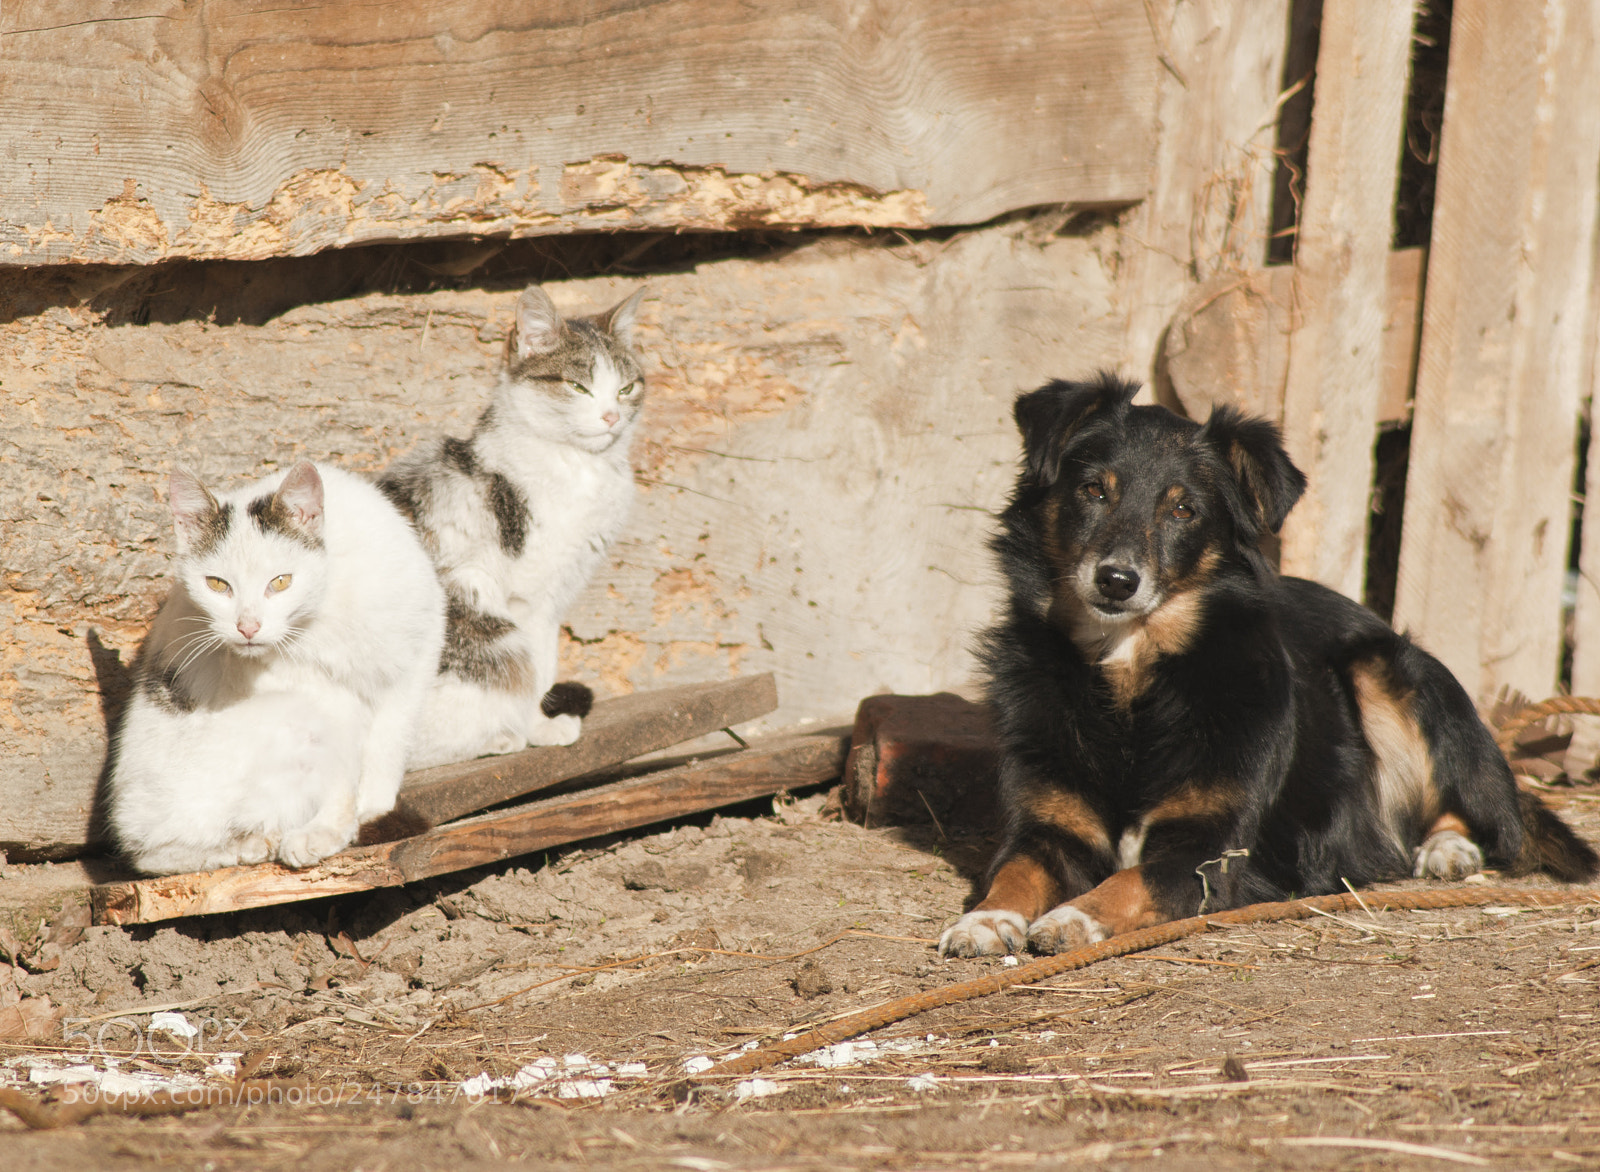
(517, 518)
(278, 686)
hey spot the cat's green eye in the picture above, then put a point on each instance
(281, 582)
(217, 585)
(628, 391)
(579, 387)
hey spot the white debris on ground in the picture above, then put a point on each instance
(137, 1073)
(573, 1076)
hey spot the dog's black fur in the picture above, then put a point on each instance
(1181, 728)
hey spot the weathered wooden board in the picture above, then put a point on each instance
(138, 130)
(1499, 380)
(826, 437)
(1229, 341)
(1207, 208)
(765, 768)
(615, 731)
(1335, 378)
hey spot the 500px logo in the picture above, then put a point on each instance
(165, 1035)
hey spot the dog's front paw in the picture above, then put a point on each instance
(985, 933)
(1065, 928)
(1447, 855)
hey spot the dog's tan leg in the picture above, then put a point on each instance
(1122, 903)
(1019, 891)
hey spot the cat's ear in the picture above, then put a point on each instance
(538, 324)
(301, 496)
(618, 320)
(195, 511)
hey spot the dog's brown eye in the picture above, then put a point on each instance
(1095, 490)
(1182, 512)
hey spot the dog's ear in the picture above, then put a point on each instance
(1052, 415)
(1269, 483)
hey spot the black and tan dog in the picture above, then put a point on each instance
(1183, 730)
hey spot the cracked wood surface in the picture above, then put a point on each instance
(145, 130)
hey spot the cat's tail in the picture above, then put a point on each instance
(567, 698)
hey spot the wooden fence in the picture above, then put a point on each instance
(1500, 330)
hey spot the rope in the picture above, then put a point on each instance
(1065, 962)
(1523, 718)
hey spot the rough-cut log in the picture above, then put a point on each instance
(920, 760)
(138, 130)
(1511, 268)
(616, 731)
(766, 768)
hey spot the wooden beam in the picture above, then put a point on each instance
(765, 768)
(1488, 505)
(135, 131)
(1336, 351)
(617, 730)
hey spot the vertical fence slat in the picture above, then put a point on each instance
(1336, 351)
(1499, 380)
(1210, 198)
(1586, 607)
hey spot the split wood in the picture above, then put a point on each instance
(1259, 913)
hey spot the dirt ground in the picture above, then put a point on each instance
(569, 1013)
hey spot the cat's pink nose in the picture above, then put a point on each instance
(249, 627)
(610, 418)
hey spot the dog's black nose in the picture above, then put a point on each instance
(1117, 583)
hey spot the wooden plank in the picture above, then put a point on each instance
(1483, 553)
(1336, 351)
(1229, 341)
(136, 131)
(765, 768)
(617, 730)
(1208, 199)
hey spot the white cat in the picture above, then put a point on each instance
(276, 691)
(517, 518)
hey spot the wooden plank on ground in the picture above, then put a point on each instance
(1488, 507)
(617, 730)
(1336, 350)
(767, 767)
(1207, 208)
(136, 131)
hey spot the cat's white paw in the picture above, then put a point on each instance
(985, 933)
(1064, 928)
(1447, 855)
(505, 743)
(254, 848)
(555, 730)
(311, 844)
